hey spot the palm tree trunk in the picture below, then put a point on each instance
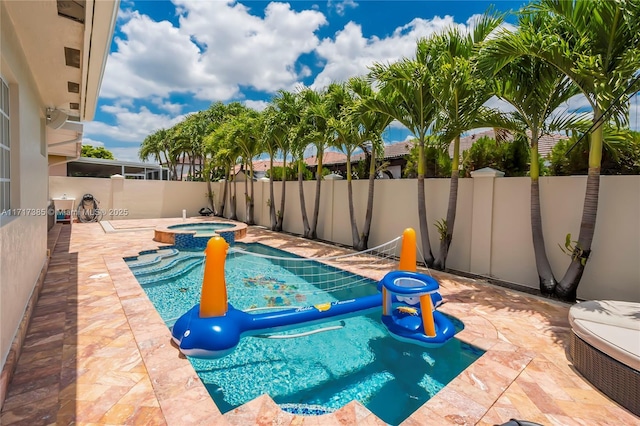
(316, 206)
(224, 193)
(192, 163)
(272, 207)
(545, 274)
(280, 213)
(303, 208)
(210, 194)
(567, 287)
(363, 244)
(422, 208)
(246, 197)
(355, 237)
(251, 199)
(234, 215)
(445, 243)
(184, 155)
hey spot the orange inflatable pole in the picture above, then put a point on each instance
(427, 315)
(408, 251)
(213, 301)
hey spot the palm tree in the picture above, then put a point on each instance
(301, 136)
(536, 90)
(366, 128)
(595, 43)
(215, 142)
(227, 157)
(226, 154)
(317, 109)
(151, 148)
(406, 96)
(288, 104)
(274, 130)
(462, 91)
(244, 132)
(160, 146)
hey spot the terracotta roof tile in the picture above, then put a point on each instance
(394, 150)
(329, 157)
(259, 166)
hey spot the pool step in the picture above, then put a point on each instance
(152, 258)
(186, 266)
(174, 263)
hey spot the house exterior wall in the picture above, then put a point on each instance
(133, 198)
(23, 238)
(492, 233)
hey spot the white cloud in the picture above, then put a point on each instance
(127, 154)
(341, 5)
(349, 53)
(218, 48)
(167, 106)
(153, 59)
(395, 124)
(130, 126)
(499, 104)
(257, 105)
(476, 131)
(577, 102)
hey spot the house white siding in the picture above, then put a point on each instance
(23, 233)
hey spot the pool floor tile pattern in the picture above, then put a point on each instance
(96, 352)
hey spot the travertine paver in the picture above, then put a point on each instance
(97, 352)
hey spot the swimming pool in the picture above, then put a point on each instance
(316, 373)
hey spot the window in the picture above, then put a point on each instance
(5, 148)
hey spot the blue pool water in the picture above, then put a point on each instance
(202, 228)
(317, 373)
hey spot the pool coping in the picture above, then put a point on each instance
(184, 398)
(164, 233)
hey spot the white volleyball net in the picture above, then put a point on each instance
(257, 278)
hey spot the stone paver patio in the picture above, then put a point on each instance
(97, 352)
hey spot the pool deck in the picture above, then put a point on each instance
(97, 353)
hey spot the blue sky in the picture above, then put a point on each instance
(171, 58)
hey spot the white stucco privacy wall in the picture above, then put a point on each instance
(23, 242)
(492, 232)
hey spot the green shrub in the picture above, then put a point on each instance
(512, 158)
(291, 173)
(436, 160)
(620, 156)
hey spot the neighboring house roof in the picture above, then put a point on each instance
(259, 166)
(545, 144)
(391, 151)
(396, 150)
(329, 157)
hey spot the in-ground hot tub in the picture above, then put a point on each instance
(195, 235)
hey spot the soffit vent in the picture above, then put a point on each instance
(72, 57)
(73, 87)
(72, 9)
(74, 105)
